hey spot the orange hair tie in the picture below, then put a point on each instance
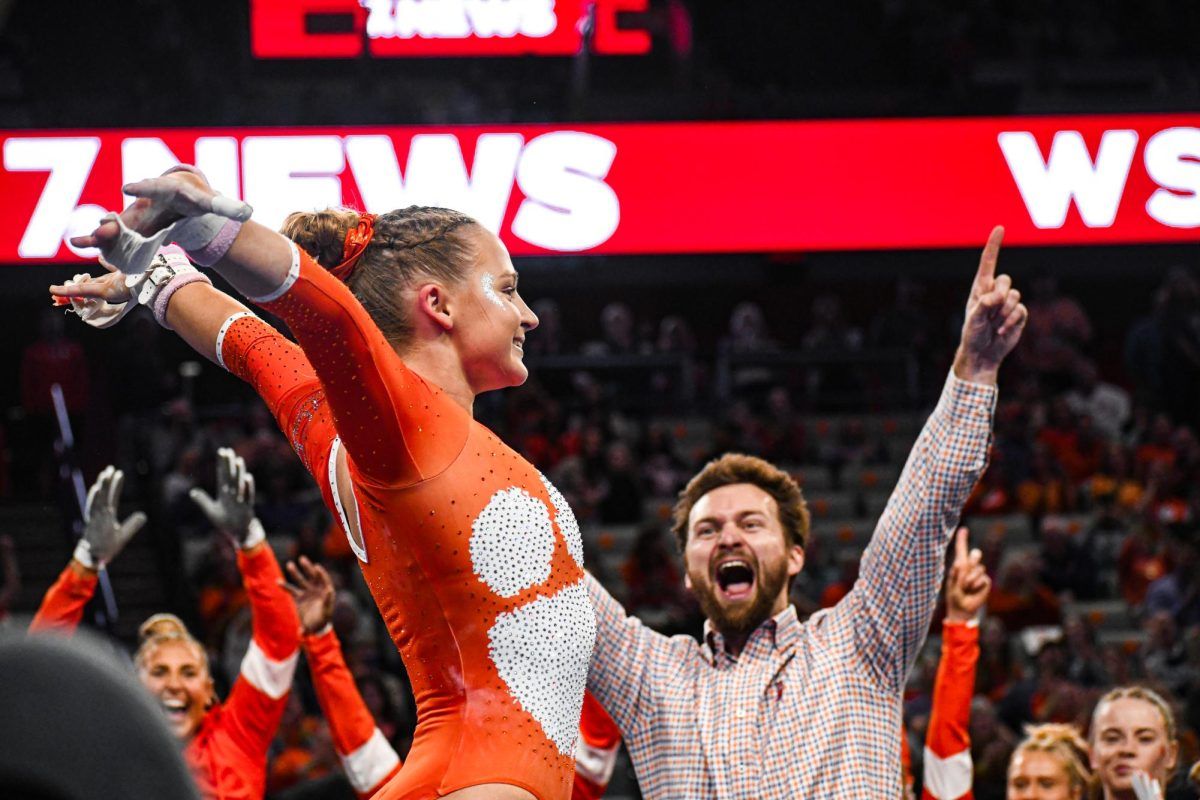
(357, 239)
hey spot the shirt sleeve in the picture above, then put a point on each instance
(368, 759)
(259, 694)
(62, 607)
(398, 428)
(948, 767)
(889, 609)
(624, 661)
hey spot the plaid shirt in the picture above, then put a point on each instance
(807, 710)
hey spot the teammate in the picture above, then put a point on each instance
(1133, 742)
(225, 744)
(367, 757)
(472, 556)
(948, 768)
(1050, 763)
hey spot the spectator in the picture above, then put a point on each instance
(1177, 593)
(1020, 598)
(620, 492)
(1105, 404)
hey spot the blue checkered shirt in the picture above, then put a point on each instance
(807, 710)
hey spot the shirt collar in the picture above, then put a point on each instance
(783, 630)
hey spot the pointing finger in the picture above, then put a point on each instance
(960, 546)
(986, 274)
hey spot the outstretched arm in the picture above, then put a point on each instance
(104, 536)
(257, 699)
(889, 609)
(367, 757)
(379, 405)
(948, 767)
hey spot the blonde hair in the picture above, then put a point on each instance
(1194, 775)
(1065, 743)
(163, 629)
(1139, 693)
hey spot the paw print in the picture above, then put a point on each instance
(541, 650)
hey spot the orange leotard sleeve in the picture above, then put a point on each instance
(948, 766)
(367, 757)
(390, 420)
(62, 607)
(257, 699)
(596, 753)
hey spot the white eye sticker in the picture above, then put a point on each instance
(489, 289)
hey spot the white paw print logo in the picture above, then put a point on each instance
(541, 649)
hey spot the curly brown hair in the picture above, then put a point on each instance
(740, 468)
(409, 244)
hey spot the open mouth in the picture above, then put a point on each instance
(176, 710)
(735, 579)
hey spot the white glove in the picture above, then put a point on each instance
(96, 311)
(1145, 787)
(232, 512)
(103, 535)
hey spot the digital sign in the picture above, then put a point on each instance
(645, 188)
(444, 28)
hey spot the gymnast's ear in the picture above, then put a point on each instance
(433, 305)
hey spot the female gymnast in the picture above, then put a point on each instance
(474, 559)
(225, 744)
(1050, 763)
(1134, 744)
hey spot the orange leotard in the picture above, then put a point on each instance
(474, 559)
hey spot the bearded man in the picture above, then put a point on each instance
(769, 707)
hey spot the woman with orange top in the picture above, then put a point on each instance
(1133, 743)
(473, 557)
(225, 744)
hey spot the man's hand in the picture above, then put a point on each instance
(967, 584)
(232, 512)
(994, 320)
(312, 590)
(103, 535)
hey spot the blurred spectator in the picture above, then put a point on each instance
(1057, 333)
(618, 333)
(1046, 490)
(992, 743)
(1164, 655)
(663, 470)
(1177, 593)
(1047, 695)
(1085, 659)
(998, 667)
(1145, 351)
(1181, 341)
(1140, 562)
(1069, 567)
(655, 583)
(1020, 598)
(1105, 404)
(620, 492)
(549, 339)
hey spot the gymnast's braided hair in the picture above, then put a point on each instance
(409, 244)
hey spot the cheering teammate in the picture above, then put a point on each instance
(473, 558)
(1133, 741)
(1050, 763)
(225, 743)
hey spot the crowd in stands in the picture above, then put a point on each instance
(1088, 516)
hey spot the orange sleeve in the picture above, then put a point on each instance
(256, 702)
(596, 754)
(397, 428)
(367, 757)
(62, 607)
(948, 766)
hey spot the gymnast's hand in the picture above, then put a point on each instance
(232, 512)
(312, 590)
(107, 288)
(994, 320)
(181, 191)
(967, 584)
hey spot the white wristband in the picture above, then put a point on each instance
(255, 534)
(83, 554)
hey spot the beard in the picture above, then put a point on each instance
(745, 617)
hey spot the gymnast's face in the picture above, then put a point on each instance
(491, 331)
(738, 558)
(1129, 735)
(178, 677)
(1038, 775)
